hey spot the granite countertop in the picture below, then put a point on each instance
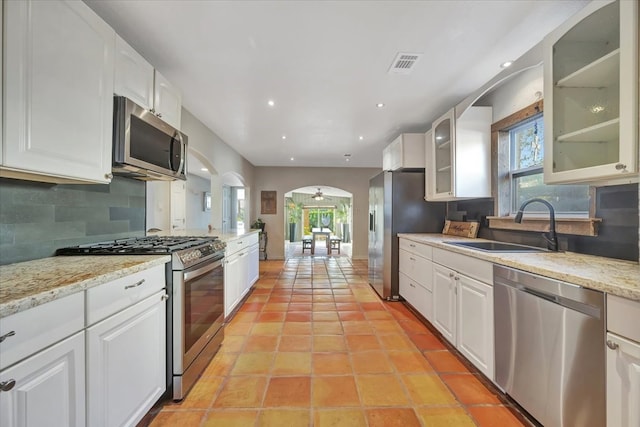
(613, 276)
(28, 284)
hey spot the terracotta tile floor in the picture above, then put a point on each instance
(313, 345)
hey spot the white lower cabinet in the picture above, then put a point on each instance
(417, 295)
(475, 323)
(463, 306)
(444, 302)
(415, 276)
(240, 269)
(126, 358)
(623, 362)
(48, 387)
(254, 264)
(232, 283)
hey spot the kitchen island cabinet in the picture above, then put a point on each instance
(58, 115)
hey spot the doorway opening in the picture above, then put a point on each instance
(317, 219)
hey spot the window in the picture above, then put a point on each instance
(526, 148)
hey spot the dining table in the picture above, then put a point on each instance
(320, 232)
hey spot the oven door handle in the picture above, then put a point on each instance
(188, 275)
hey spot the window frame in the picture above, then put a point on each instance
(574, 224)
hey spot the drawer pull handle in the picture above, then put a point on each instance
(412, 285)
(7, 335)
(412, 245)
(450, 274)
(612, 345)
(135, 285)
(7, 385)
(412, 259)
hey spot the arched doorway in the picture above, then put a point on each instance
(317, 208)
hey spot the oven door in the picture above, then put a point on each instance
(198, 311)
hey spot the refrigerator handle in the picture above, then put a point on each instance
(372, 221)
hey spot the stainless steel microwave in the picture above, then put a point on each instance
(144, 146)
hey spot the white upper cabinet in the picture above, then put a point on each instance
(460, 155)
(405, 152)
(591, 91)
(167, 101)
(58, 92)
(133, 75)
(136, 79)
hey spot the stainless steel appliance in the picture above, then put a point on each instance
(396, 205)
(144, 146)
(195, 309)
(550, 348)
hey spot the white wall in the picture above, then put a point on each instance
(515, 94)
(197, 217)
(285, 179)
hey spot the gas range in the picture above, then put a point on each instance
(185, 250)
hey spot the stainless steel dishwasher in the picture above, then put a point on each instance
(550, 348)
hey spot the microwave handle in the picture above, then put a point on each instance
(183, 153)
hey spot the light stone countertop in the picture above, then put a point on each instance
(613, 276)
(225, 237)
(28, 284)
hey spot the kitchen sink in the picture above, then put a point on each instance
(497, 247)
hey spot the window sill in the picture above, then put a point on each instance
(574, 226)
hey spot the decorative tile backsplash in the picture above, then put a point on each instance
(38, 218)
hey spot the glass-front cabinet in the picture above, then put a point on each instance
(591, 91)
(459, 155)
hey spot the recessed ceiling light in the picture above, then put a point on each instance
(204, 169)
(271, 103)
(347, 159)
(284, 136)
(506, 64)
(361, 137)
(379, 105)
(292, 159)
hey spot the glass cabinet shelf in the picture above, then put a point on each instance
(601, 73)
(444, 168)
(444, 145)
(601, 132)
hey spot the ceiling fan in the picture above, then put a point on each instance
(319, 196)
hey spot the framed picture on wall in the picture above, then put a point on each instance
(206, 201)
(268, 202)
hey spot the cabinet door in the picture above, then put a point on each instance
(133, 75)
(231, 283)
(444, 302)
(167, 101)
(591, 95)
(49, 387)
(417, 295)
(254, 264)
(126, 359)
(442, 156)
(475, 323)
(58, 90)
(429, 176)
(623, 382)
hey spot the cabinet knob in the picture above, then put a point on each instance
(159, 115)
(164, 297)
(612, 345)
(621, 167)
(7, 385)
(108, 176)
(412, 285)
(450, 274)
(7, 335)
(456, 278)
(153, 110)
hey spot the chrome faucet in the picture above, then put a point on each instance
(552, 237)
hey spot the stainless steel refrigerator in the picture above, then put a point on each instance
(397, 205)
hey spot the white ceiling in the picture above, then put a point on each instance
(325, 65)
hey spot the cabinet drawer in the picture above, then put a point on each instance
(111, 297)
(416, 267)
(472, 267)
(417, 295)
(623, 317)
(39, 327)
(243, 242)
(421, 249)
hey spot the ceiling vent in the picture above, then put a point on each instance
(404, 63)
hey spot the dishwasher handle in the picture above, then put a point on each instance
(581, 307)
